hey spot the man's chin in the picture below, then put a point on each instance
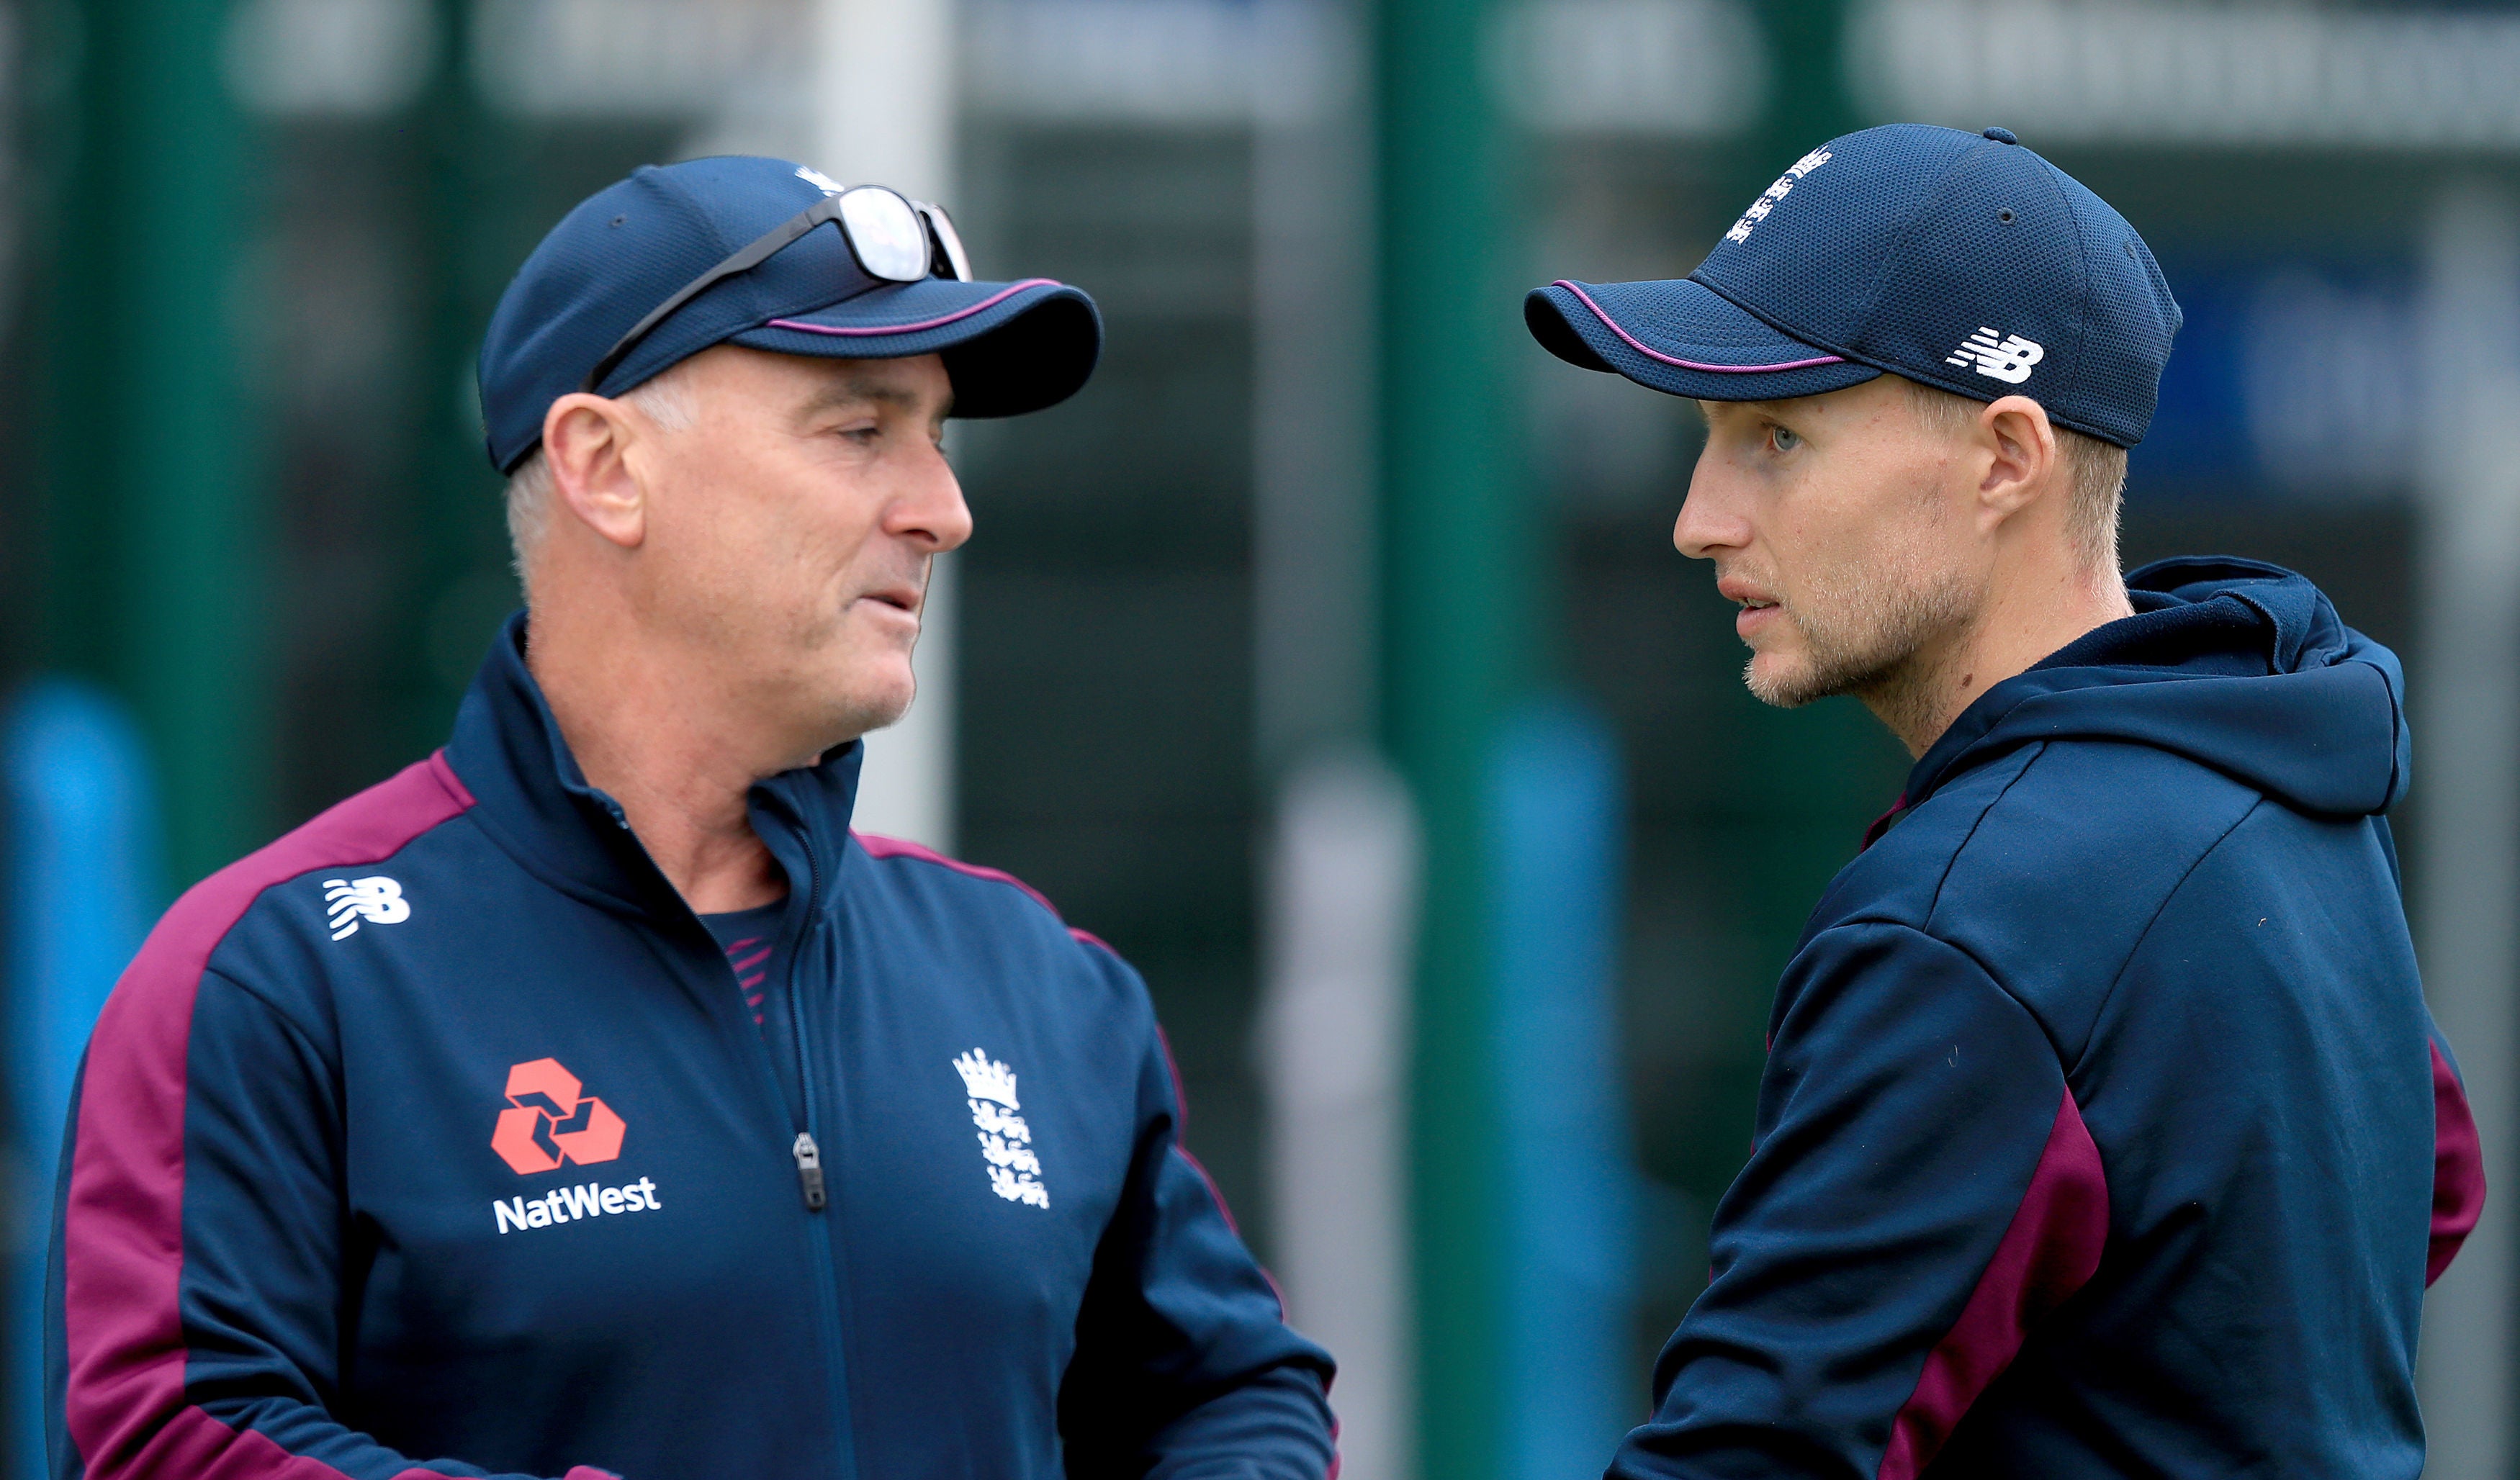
(1791, 682)
(859, 703)
(1781, 679)
(862, 713)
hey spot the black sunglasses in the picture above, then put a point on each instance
(893, 238)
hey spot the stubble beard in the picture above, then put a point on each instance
(1870, 642)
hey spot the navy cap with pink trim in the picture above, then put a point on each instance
(1958, 260)
(1010, 346)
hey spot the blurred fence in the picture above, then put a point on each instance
(1322, 505)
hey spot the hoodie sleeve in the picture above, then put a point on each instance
(1185, 1366)
(199, 1263)
(1924, 1192)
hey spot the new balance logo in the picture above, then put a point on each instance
(817, 179)
(568, 1204)
(2010, 361)
(378, 901)
(1769, 197)
(549, 1121)
(1006, 1142)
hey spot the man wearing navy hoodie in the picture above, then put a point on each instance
(589, 1099)
(2104, 1131)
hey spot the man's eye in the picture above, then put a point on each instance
(1784, 439)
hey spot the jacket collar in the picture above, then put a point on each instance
(536, 804)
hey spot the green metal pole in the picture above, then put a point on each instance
(457, 586)
(1809, 102)
(156, 530)
(1456, 619)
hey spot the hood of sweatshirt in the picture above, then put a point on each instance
(2236, 664)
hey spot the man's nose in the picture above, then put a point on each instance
(932, 510)
(1708, 523)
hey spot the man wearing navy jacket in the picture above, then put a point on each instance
(2104, 1131)
(588, 1100)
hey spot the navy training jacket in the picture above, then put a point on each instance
(434, 1139)
(2104, 1131)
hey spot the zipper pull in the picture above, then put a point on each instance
(809, 1170)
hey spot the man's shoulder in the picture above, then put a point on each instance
(333, 850)
(973, 894)
(2047, 865)
(2073, 825)
(2103, 820)
(364, 829)
(983, 940)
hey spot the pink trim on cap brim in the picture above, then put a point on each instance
(989, 302)
(1654, 354)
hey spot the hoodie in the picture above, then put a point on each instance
(2104, 1131)
(437, 1139)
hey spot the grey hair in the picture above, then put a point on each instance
(665, 400)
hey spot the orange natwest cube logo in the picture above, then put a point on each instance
(549, 1121)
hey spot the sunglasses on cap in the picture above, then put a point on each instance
(891, 238)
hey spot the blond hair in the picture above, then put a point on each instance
(2096, 473)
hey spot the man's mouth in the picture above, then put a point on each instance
(1743, 592)
(1755, 607)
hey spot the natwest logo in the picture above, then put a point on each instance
(550, 1120)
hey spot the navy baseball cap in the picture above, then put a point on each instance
(1010, 347)
(1963, 261)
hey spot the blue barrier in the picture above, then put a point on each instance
(82, 887)
(1567, 1178)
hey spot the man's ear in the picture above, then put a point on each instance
(2024, 457)
(587, 441)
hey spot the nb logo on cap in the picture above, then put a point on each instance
(2010, 361)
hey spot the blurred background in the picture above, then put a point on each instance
(1327, 654)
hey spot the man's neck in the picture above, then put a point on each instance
(2021, 623)
(653, 738)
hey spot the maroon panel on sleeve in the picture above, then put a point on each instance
(2458, 1169)
(198, 1447)
(2050, 1252)
(122, 1246)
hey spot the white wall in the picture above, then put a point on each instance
(883, 103)
(2467, 786)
